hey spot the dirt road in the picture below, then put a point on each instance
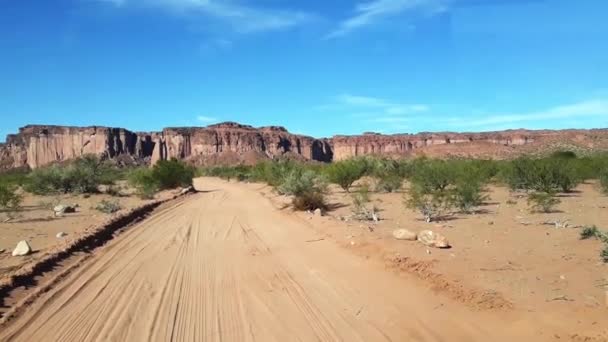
(226, 265)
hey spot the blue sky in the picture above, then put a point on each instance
(316, 67)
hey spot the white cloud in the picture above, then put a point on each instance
(369, 13)
(384, 106)
(206, 119)
(242, 18)
(583, 109)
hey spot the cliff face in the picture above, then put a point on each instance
(230, 143)
(233, 138)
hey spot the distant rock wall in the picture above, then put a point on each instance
(229, 143)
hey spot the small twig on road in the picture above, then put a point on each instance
(316, 240)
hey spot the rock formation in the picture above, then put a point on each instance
(229, 143)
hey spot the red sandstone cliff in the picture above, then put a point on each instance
(230, 143)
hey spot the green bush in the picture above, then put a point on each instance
(360, 208)
(143, 180)
(299, 181)
(170, 174)
(543, 175)
(432, 204)
(604, 180)
(387, 172)
(309, 201)
(604, 253)
(10, 200)
(108, 207)
(307, 188)
(346, 172)
(82, 175)
(433, 175)
(589, 232)
(542, 202)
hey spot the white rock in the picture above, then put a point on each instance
(318, 212)
(23, 248)
(64, 208)
(187, 190)
(61, 235)
(404, 234)
(433, 239)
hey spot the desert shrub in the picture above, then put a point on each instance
(346, 172)
(273, 172)
(604, 253)
(542, 202)
(542, 175)
(172, 173)
(387, 173)
(433, 175)
(432, 204)
(17, 177)
(143, 180)
(10, 200)
(307, 188)
(603, 177)
(360, 208)
(589, 232)
(467, 195)
(240, 172)
(390, 183)
(82, 175)
(108, 207)
(299, 181)
(309, 200)
(563, 155)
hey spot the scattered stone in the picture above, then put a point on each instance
(2, 250)
(61, 235)
(433, 239)
(562, 277)
(64, 209)
(318, 212)
(428, 251)
(404, 234)
(491, 223)
(23, 248)
(186, 190)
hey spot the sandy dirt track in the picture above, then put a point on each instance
(226, 265)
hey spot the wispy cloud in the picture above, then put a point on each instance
(375, 110)
(206, 119)
(386, 107)
(371, 12)
(241, 17)
(580, 110)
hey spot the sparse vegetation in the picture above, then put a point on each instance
(307, 188)
(604, 180)
(360, 208)
(346, 172)
(10, 200)
(432, 204)
(604, 253)
(589, 232)
(543, 202)
(82, 175)
(108, 207)
(166, 174)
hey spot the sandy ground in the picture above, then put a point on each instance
(37, 224)
(226, 264)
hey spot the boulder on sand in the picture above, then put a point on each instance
(404, 234)
(64, 209)
(433, 239)
(318, 212)
(23, 248)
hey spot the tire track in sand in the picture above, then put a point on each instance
(224, 265)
